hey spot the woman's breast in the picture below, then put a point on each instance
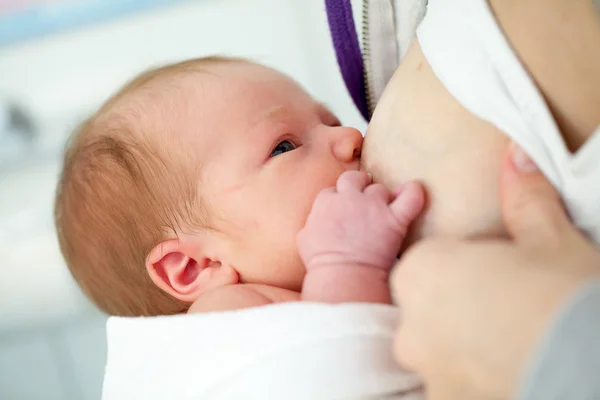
(420, 132)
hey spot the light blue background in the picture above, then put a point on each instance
(43, 19)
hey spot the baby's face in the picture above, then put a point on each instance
(266, 148)
(419, 131)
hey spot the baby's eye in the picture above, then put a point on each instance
(283, 147)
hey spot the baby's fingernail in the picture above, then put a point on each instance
(521, 160)
(370, 176)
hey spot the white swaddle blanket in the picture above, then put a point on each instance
(281, 351)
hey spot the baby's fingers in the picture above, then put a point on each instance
(408, 203)
(378, 191)
(353, 181)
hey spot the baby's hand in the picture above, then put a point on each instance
(358, 223)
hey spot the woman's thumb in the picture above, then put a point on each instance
(532, 208)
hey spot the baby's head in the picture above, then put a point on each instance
(193, 176)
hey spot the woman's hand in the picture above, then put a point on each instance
(474, 310)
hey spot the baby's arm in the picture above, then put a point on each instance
(352, 238)
(346, 284)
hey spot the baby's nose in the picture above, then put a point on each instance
(347, 144)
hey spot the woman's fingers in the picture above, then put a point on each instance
(532, 209)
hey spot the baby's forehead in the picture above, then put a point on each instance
(230, 85)
(202, 106)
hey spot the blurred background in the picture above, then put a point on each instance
(58, 61)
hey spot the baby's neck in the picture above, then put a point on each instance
(235, 297)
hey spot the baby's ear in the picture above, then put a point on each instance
(184, 272)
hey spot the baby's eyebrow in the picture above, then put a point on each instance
(269, 114)
(272, 112)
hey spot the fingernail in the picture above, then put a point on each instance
(370, 177)
(521, 160)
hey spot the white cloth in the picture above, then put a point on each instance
(471, 57)
(281, 351)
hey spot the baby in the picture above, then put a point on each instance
(188, 189)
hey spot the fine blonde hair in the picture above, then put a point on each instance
(118, 197)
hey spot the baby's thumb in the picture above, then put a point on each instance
(408, 203)
(532, 208)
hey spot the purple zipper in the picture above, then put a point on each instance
(347, 51)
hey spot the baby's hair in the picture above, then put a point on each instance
(119, 196)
